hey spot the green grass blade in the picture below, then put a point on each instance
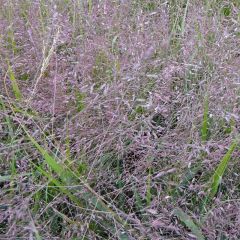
(217, 177)
(67, 176)
(186, 180)
(138, 200)
(64, 174)
(7, 178)
(61, 187)
(67, 144)
(88, 198)
(38, 237)
(48, 158)
(16, 90)
(90, 6)
(184, 18)
(205, 123)
(7, 118)
(183, 217)
(148, 191)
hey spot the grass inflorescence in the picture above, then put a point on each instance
(119, 119)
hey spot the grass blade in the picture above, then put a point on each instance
(16, 90)
(7, 118)
(148, 191)
(7, 178)
(90, 6)
(188, 176)
(217, 177)
(61, 187)
(189, 223)
(86, 198)
(68, 178)
(205, 123)
(184, 18)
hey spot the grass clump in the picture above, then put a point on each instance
(119, 120)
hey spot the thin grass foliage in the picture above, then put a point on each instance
(119, 119)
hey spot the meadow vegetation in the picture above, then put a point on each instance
(119, 119)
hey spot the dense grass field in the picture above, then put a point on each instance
(119, 119)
